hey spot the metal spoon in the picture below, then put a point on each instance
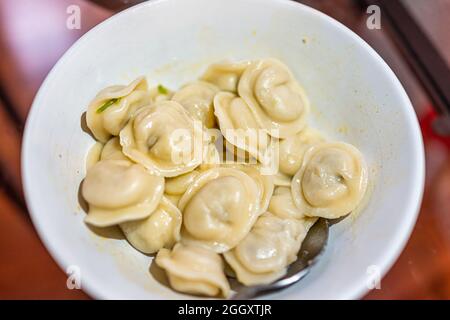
(313, 245)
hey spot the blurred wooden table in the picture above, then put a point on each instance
(33, 35)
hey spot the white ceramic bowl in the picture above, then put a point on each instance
(355, 98)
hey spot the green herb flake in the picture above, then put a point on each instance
(107, 104)
(162, 89)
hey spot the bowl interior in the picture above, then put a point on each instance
(355, 98)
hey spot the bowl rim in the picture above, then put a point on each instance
(386, 259)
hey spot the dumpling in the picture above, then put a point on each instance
(290, 154)
(211, 157)
(118, 191)
(276, 100)
(111, 109)
(112, 150)
(331, 181)
(264, 182)
(232, 154)
(239, 127)
(280, 179)
(178, 185)
(93, 155)
(194, 270)
(264, 254)
(160, 230)
(164, 139)
(225, 75)
(282, 205)
(173, 198)
(293, 148)
(219, 208)
(197, 98)
(160, 93)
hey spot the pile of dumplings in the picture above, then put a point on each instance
(203, 214)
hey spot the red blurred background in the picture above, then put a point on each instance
(33, 35)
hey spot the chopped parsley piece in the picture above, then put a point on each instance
(162, 89)
(107, 104)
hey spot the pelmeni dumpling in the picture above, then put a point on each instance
(331, 181)
(178, 185)
(164, 139)
(263, 255)
(194, 270)
(174, 199)
(197, 98)
(291, 151)
(293, 148)
(110, 110)
(211, 157)
(93, 155)
(118, 191)
(225, 75)
(264, 182)
(232, 154)
(112, 150)
(282, 205)
(239, 127)
(160, 230)
(160, 93)
(280, 179)
(275, 98)
(219, 208)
